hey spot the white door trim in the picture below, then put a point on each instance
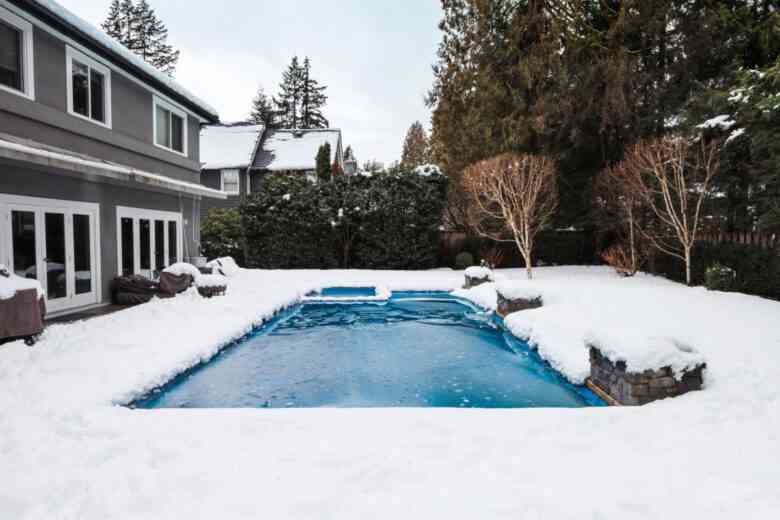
(40, 206)
(138, 214)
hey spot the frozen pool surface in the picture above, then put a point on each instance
(412, 351)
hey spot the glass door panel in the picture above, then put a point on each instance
(55, 261)
(128, 252)
(173, 241)
(145, 232)
(82, 254)
(23, 244)
(159, 244)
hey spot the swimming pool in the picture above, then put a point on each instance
(417, 349)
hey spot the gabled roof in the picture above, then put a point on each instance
(57, 160)
(63, 20)
(294, 149)
(229, 146)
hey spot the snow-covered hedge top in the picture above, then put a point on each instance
(723, 121)
(108, 43)
(517, 290)
(426, 170)
(181, 268)
(642, 352)
(225, 265)
(11, 283)
(211, 280)
(477, 271)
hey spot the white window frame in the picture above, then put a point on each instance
(28, 61)
(173, 109)
(70, 55)
(222, 181)
(138, 214)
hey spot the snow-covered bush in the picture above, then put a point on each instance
(720, 278)
(225, 266)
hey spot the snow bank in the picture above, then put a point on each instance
(518, 289)
(181, 268)
(708, 454)
(483, 295)
(225, 266)
(641, 352)
(211, 280)
(10, 283)
(477, 271)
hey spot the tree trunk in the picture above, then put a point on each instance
(688, 266)
(528, 268)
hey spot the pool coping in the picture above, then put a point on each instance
(585, 391)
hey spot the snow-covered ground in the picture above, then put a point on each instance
(66, 452)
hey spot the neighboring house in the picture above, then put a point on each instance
(226, 154)
(99, 158)
(235, 157)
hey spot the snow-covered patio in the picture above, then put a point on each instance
(67, 450)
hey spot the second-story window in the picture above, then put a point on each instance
(89, 88)
(15, 54)
(230, 182)
(170, 127)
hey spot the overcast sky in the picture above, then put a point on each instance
(375, 57)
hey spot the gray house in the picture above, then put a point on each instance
(235, 157)
(99, 158)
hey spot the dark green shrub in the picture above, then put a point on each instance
(464, 260)
(220, 234)
(720, 278)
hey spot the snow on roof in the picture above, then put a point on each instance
(110, 45)
(295, 149)
(228, 146)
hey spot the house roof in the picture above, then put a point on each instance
(229, 146)
(87, 34)
(59, 160)
(294, 149)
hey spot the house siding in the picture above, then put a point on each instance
(21, 179)
(211, 179)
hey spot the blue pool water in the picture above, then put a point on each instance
(410, 351)
(347, 292)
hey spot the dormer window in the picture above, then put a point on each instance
(16, 60)
(89, 88)
(170, 127)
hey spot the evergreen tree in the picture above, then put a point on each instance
(263, 111)
(415, 151)
(288, 103)
(313, 99)
(324, 168)
(137, 27)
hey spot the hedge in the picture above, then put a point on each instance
(221, 234)
(387, 221)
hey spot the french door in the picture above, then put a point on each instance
(55, 242)
(147, 241)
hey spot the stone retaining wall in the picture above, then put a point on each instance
(630, 388)
(507, 306)
(472, 281)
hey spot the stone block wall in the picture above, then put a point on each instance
(507, 306)
(630, 388)
(472, 281)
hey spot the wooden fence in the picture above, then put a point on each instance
(762, 240)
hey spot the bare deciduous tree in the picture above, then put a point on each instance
(622, 211)
(673, 175)
(513, 197)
